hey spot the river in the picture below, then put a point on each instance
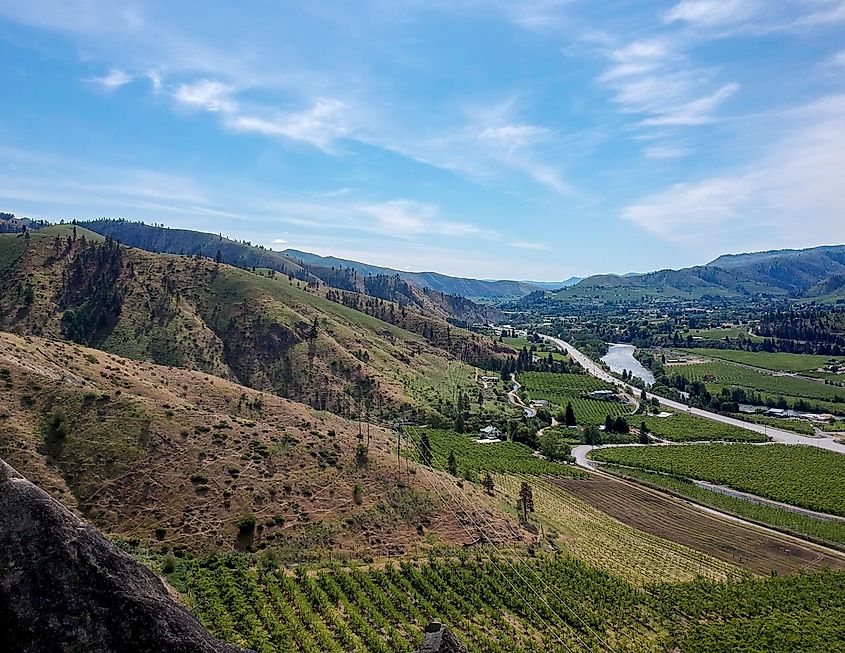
(621, 357)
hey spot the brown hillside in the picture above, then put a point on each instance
(181, 457)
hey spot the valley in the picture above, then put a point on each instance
(315, 467)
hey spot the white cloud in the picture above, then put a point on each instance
(114, 79)
(521, 244)
(320, 125)
(207, 94)
(653, 79)
(791, 196)
(666, 151)
(712, 13)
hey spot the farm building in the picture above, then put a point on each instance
(490, 432)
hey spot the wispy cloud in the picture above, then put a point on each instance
(790, 196)
(114, 79)
(654, 80)
(711, 13)
(521, 244)
(207, 94)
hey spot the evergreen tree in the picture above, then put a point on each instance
(643, 433)
(452, 464)
(425, 450)
(569, 418)
(526, 500)
(488, 484)
(459, 424)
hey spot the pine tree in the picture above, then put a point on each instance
(452, 464)
(488, 483)
(425, 450)
(643, 433)
(569, 418)
(526, 500)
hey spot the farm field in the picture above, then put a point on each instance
(559, 389)
(795, 425)
(474, 458)
(682, 427)
(500, 606)
(720, 334)
(608, 544)
(829, 531)
(728, 375)
(777, 361)
(802, 476)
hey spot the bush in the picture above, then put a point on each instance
(246, 526)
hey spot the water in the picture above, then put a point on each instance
(621, 357)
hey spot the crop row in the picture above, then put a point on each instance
(497, 605)
(683, 427)
(803, 476)
(560, 389)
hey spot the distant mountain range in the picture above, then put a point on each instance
(465, 287)
(817, 272)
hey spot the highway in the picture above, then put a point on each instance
(776, 435)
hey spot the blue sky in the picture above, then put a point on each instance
(536, 139)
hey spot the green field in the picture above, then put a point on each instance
(777, 361)
(682, 427)
(802, 476)
(559, 389)
(830, 531)
(474, 458)
(495, 606)
(728, 375)
(793, 424)
(720, 334)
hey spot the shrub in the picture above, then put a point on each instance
(246, 526)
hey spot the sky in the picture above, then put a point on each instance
(537, 139)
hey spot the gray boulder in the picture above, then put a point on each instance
(64, 587)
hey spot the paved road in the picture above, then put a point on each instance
(776, 435)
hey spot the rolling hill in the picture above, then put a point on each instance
(263, 330)
(178, 459)
(383, 284)
(784, 273)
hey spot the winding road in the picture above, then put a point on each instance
(775, 434)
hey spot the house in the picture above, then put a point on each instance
(490, 379)
(539, 403)
(603, 395)
(490, 432)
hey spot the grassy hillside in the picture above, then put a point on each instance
(266, 331)
(180, 458)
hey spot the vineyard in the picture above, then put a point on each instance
(682, 427)
(474, 458)
(727, 374)
(553, 603)
(776, 361)
(799, 475)
(607, 544)
(830, 531)
(559, 389)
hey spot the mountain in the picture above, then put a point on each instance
(554, 285)
(383, 284)
(329, 348)
(784, 273)
(471, 288)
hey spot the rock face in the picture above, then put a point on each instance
(439, 639)
(64, 587)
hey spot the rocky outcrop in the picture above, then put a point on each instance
(439, 639)
(64, 587)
